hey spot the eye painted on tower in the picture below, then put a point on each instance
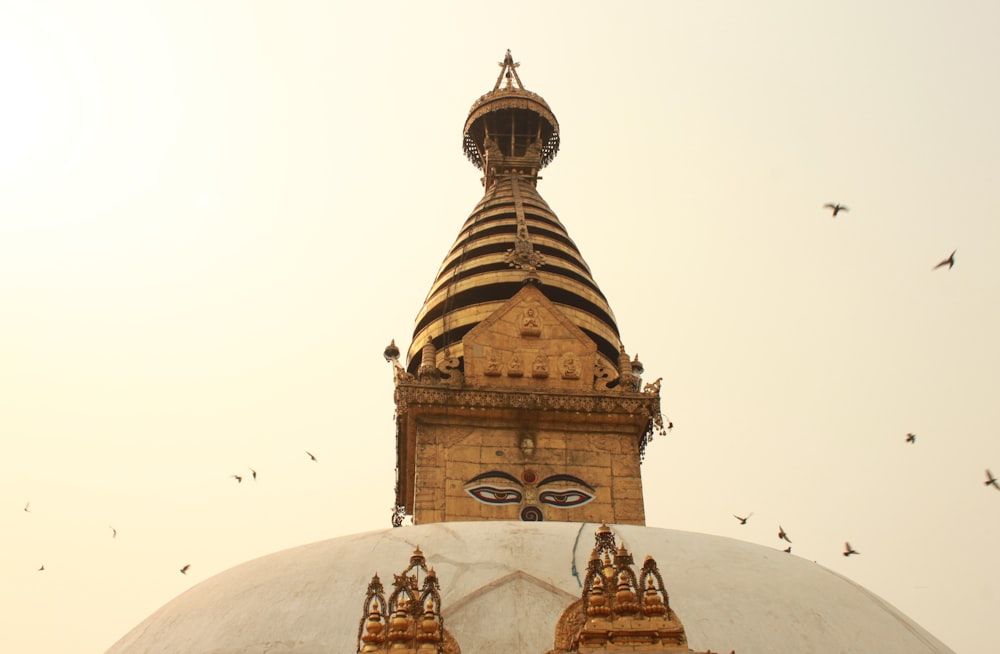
(565, 499)
(493, 495)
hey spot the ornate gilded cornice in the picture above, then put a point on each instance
(413, 394)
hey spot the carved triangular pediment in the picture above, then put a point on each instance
(529, 342)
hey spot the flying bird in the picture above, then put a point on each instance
(26, 507)
(787, 550)
(254, 474)
(848, 550)
(114, 532)
(41, 568)
(185, 569)
(950, 261)
(311, 455)
(991, 480)
(782, 535)
(911, 438)
(835, 208)
(239, 480)
(743, 521)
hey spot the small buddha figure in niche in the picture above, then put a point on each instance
(492, 366)
(531, 324)
(540, 367)
(516, 367)
(570, 366)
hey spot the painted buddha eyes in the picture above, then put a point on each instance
(493, 495)
(560, 498)
(564, 499)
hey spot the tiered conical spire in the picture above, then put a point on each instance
(512, 236)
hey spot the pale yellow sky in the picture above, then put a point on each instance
(214, 216)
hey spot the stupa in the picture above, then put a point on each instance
(521, 425)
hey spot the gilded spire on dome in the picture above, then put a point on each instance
(620, 610)
(409, 620)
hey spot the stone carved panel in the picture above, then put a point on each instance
(531, 325)
(540, 367)
(569, 366)
(493, 365)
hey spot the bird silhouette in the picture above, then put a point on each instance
(239, 480)
(254, 474)
(743, 521)
(787, 550)
(27, 508)
(41, 568)
(991, 480)
(184, 570)
(114, 532)
(848, 550)
(911, 438)
(311, 455)
(835, 208)
(950, 261)
(782, 535)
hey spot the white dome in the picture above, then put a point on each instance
(505, 584)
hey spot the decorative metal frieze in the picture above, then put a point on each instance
(409, 394)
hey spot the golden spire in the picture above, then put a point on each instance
(508, 69)
(510, 134)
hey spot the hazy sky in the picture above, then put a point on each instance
(215, 215)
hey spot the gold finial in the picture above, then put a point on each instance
(391, 352)
(652, 603)
(596, 602)
(608, 568)
(373, 637)
(507, 70)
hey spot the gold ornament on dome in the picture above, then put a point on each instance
(408, 621)
(620, 610)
